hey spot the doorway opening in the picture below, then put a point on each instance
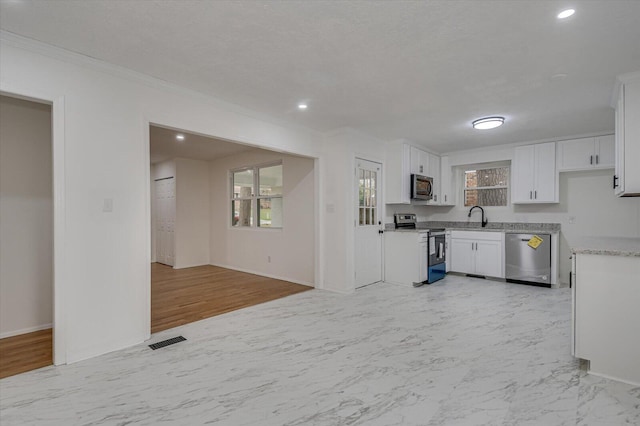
(26, 235)
(204, 260)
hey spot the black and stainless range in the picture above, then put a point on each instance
(433, 248)
(404, 220)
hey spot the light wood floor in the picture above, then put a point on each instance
(25, 352)
(178, 297)
(181, 296)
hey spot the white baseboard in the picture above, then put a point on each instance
(275, 277)
(25, 330)
(338, 290)
(189, 265)
(617, 379)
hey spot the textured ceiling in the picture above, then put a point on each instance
(420, 70)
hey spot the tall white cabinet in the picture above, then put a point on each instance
(534, 175)
(626, 181)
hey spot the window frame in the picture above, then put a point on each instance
(255, 197)
(485, 166)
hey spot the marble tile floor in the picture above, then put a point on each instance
(462, 351)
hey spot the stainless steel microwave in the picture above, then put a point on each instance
(421, 187)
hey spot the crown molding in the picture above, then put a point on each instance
(64, 55)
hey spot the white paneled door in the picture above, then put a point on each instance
(369, 225)
(165, 220)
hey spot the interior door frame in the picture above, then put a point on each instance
(57, 103)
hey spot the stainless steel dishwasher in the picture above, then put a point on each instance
(526, 264)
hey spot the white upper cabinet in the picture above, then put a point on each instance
(626, 181)
(397, 176)
(586, 153)
(403, 160)
(605, 152)
(419, 161)
(434, 171)
(446, 191)
(534, 175)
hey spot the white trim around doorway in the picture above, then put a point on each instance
(57, 103)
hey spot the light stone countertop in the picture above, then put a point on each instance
(506, 231)
(506, 227)
(612, 246)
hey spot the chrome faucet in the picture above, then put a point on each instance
(483, 220)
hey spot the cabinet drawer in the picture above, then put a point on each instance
(478, 235)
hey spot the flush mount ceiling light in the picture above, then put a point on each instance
(302, 106)
(180, 137)
(566, 13)
(488, 123)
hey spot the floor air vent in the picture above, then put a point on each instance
(167, 342)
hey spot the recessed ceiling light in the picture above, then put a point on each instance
(488, 123)
(566, 13)
(302, 106)
(180, 137)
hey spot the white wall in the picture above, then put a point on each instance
(26, 217)
(292, 248)
(342, 147)
(105, 258)
(192, 213)
(586, 199)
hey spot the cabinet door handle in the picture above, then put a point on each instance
(445, 198)
(531, 195)
(615, 181)
(535, 194)
(597, 159)
(435, 197)
(591, 159)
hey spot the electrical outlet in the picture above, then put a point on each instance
(268, 259)
(572, 219)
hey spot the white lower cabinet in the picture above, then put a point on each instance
(447, 250)
(477, 252)
(405, 257)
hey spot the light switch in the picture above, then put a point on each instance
(107, 205)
